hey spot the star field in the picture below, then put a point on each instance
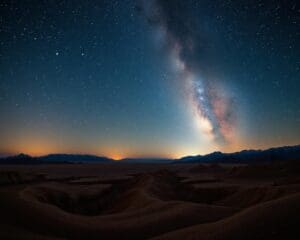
(99, 76)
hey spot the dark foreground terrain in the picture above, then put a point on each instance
(150, 201)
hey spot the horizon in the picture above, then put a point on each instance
(144, 157)
(137, 78)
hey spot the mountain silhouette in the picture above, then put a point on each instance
(54, 158)
(285, 153)
(248, 156)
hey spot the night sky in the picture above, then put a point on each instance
(163, 78)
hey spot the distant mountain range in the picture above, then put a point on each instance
(245, 156)
(54, 158)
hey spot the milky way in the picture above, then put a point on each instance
(214, 109)
(148, 78)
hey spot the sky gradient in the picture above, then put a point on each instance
(148, 78)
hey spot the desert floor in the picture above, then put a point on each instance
(150, 201)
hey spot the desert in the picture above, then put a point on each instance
(150, 201)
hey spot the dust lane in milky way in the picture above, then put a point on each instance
(214, 110)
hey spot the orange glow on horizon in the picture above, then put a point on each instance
(37, 150)
(115, 156)
(40, 147)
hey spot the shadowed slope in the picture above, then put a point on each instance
(278, 219)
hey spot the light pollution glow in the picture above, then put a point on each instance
(47, 147)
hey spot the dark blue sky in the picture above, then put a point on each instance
(148, 78)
